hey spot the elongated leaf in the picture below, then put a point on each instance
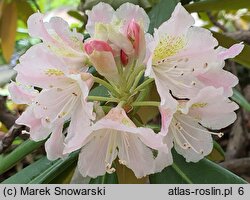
(225, 41)
(56, 169)
(240, 99)
(160, 13)
(43, 171)
(8, 27)
(209, 5)
(203, 172)
(10, 160)
(29, 173)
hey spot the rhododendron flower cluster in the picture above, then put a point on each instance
(55, 79)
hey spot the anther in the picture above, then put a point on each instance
(220, 134)
(47, 120)
(110, 169)
(122, 162)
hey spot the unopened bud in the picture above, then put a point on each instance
(133, 33)
(124, 58)
(97, 45)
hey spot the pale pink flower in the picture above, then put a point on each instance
(52, 107)
(184, 60)
(59, 39)
(115, 135)
(68, 101)
(187, 126)
(41, 68)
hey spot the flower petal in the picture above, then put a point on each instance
(37, 131)
(48, 70)
(128, 12)
(231, 52)
(79, 129)
(105, 65)
(212, 109)
(178, 23)
(135, 155)
(190, 139)
(55, 144)
(97, 15)
(91, 160)
(21, 94)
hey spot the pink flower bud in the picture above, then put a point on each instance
(124, 58)
(97, 45)
(133, 33)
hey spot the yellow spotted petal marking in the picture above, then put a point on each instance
(199, 105)
(54, 72)
(127, 122)
(168, 46)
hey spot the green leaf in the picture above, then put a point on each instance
(105, 179)
(209, 5)
(56, 169)
(10, 160)
(240, 99)
(43, 171)
(160, 13)
(202, 172)
(29, 173)
(243, 58)
(99, 91)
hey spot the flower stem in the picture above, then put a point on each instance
(97, 98)
(143, 85)
(133, 75)
(107, 85)
(146, 103)
(138, 78)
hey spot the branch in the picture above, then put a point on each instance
(240, 36)
(216, 23)
(8, 138)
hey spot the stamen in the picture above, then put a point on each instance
(110, 169)
(55, 72)
(47, 119)
(220, 134)
(122, 162)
